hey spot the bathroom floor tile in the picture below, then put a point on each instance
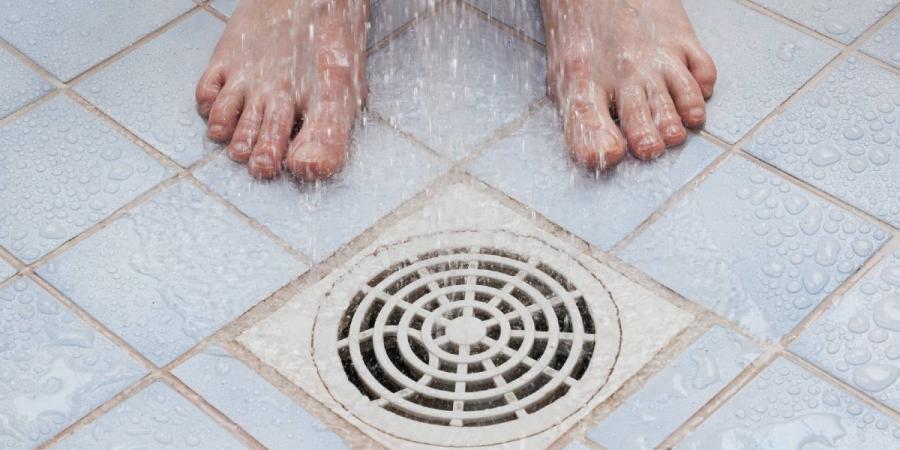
(62, 170)
(19, 85)
(843, 137)
(841, 20)
(251, 402)
(319, 218)
(523, 15)
(760, 61)
(55, 368)
(885, 45)
(786, 406)
(385, 16)
(67, 38)
(602, 209)
(755, 249)
(470, 80)
(6, 270)
(673, 395)
(171, 272)
(156, 417)
(151, 90)
(226, 7)
(858, 339)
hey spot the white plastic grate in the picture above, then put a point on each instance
(497, 333)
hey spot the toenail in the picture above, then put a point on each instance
(647, 142)
(239, 146)
(697, 113)
(216, 129)
(673, 130)
(263, 159)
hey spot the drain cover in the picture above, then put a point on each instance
(498, 334)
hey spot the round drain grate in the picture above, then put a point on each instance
(497, 333)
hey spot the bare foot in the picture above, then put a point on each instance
(280, 61)
(640, 57)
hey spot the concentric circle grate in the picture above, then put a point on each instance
(484, 332)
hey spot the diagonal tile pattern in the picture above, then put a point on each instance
(885, 45)
(6, 270)
(19, 85)
(843, 21)
(161, 277)
(523, 15)
(56, 368)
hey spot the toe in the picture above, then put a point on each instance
(246, 132)
(208, 89)
(637, 122)
(320, 149)
(273, 138)
(224, 114)
(703, 68)
(665, 116)
(592, 137)
(688, 96)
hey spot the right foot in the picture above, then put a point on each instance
(283, 60)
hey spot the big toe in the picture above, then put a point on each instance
(312, 161)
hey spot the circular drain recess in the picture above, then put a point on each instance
(466, 339)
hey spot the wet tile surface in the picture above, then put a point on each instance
(858, 339)
(385, 16)
(841, 20)
(885, 45)
(55, 368)
(156, 417)
(6, 270)
(843, 137)
(161, 277)
(786, 406)
(601, 209)
(316, 218)
(523, 15)
(677, 392)
(473, 79)
(151, 90)
(62, 170)
(226, 7)
(66, 38)
(19, 85)
(782, 59)
(754, 248)
(258, 407)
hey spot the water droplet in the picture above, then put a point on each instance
(875, 377)
(825, 156)
(886, 312)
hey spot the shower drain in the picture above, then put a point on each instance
(467, 338)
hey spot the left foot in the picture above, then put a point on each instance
(639, 56)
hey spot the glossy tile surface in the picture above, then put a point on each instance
(56, 368)
(62, 170)
(523, 15)
(249, 400)
(6, 270)
(885, 44)
(161, 277)
(754, 248)
(19, 85)
(840, 20)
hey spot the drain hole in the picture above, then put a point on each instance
(563, 281)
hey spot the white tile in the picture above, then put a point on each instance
(171, 272)
(262, 410)
(534, 167)
(842, 20)
(382, 171)
(453, 80)
(523, 15)
(156, 417)
(66, 37)
(754, 248)
(6, 270)
(761, 62)
(843, 137)
(62, 170)
(385, 16)
(885, 45)
(226, 7)
(55, 369)
(19, 85)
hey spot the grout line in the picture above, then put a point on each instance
(509, 28)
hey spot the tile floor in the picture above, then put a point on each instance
(152, 294)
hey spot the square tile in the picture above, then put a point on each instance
(171, 272)
(62, 170)
(600, 208)
(156, 417)
(151, 90)
(55, 368)
(523, 15)
(385, 16)
(761, 62)
(786, 406)
(858, 339)
(255, 405)
(226, 7)
(673, 395)
(66, 38)
(885, 45)
(20, 84)
(453, 80)
(841, 20)
(843, 137)
(6, 270)
(383, 170)
(754, 248)
(298, 340)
